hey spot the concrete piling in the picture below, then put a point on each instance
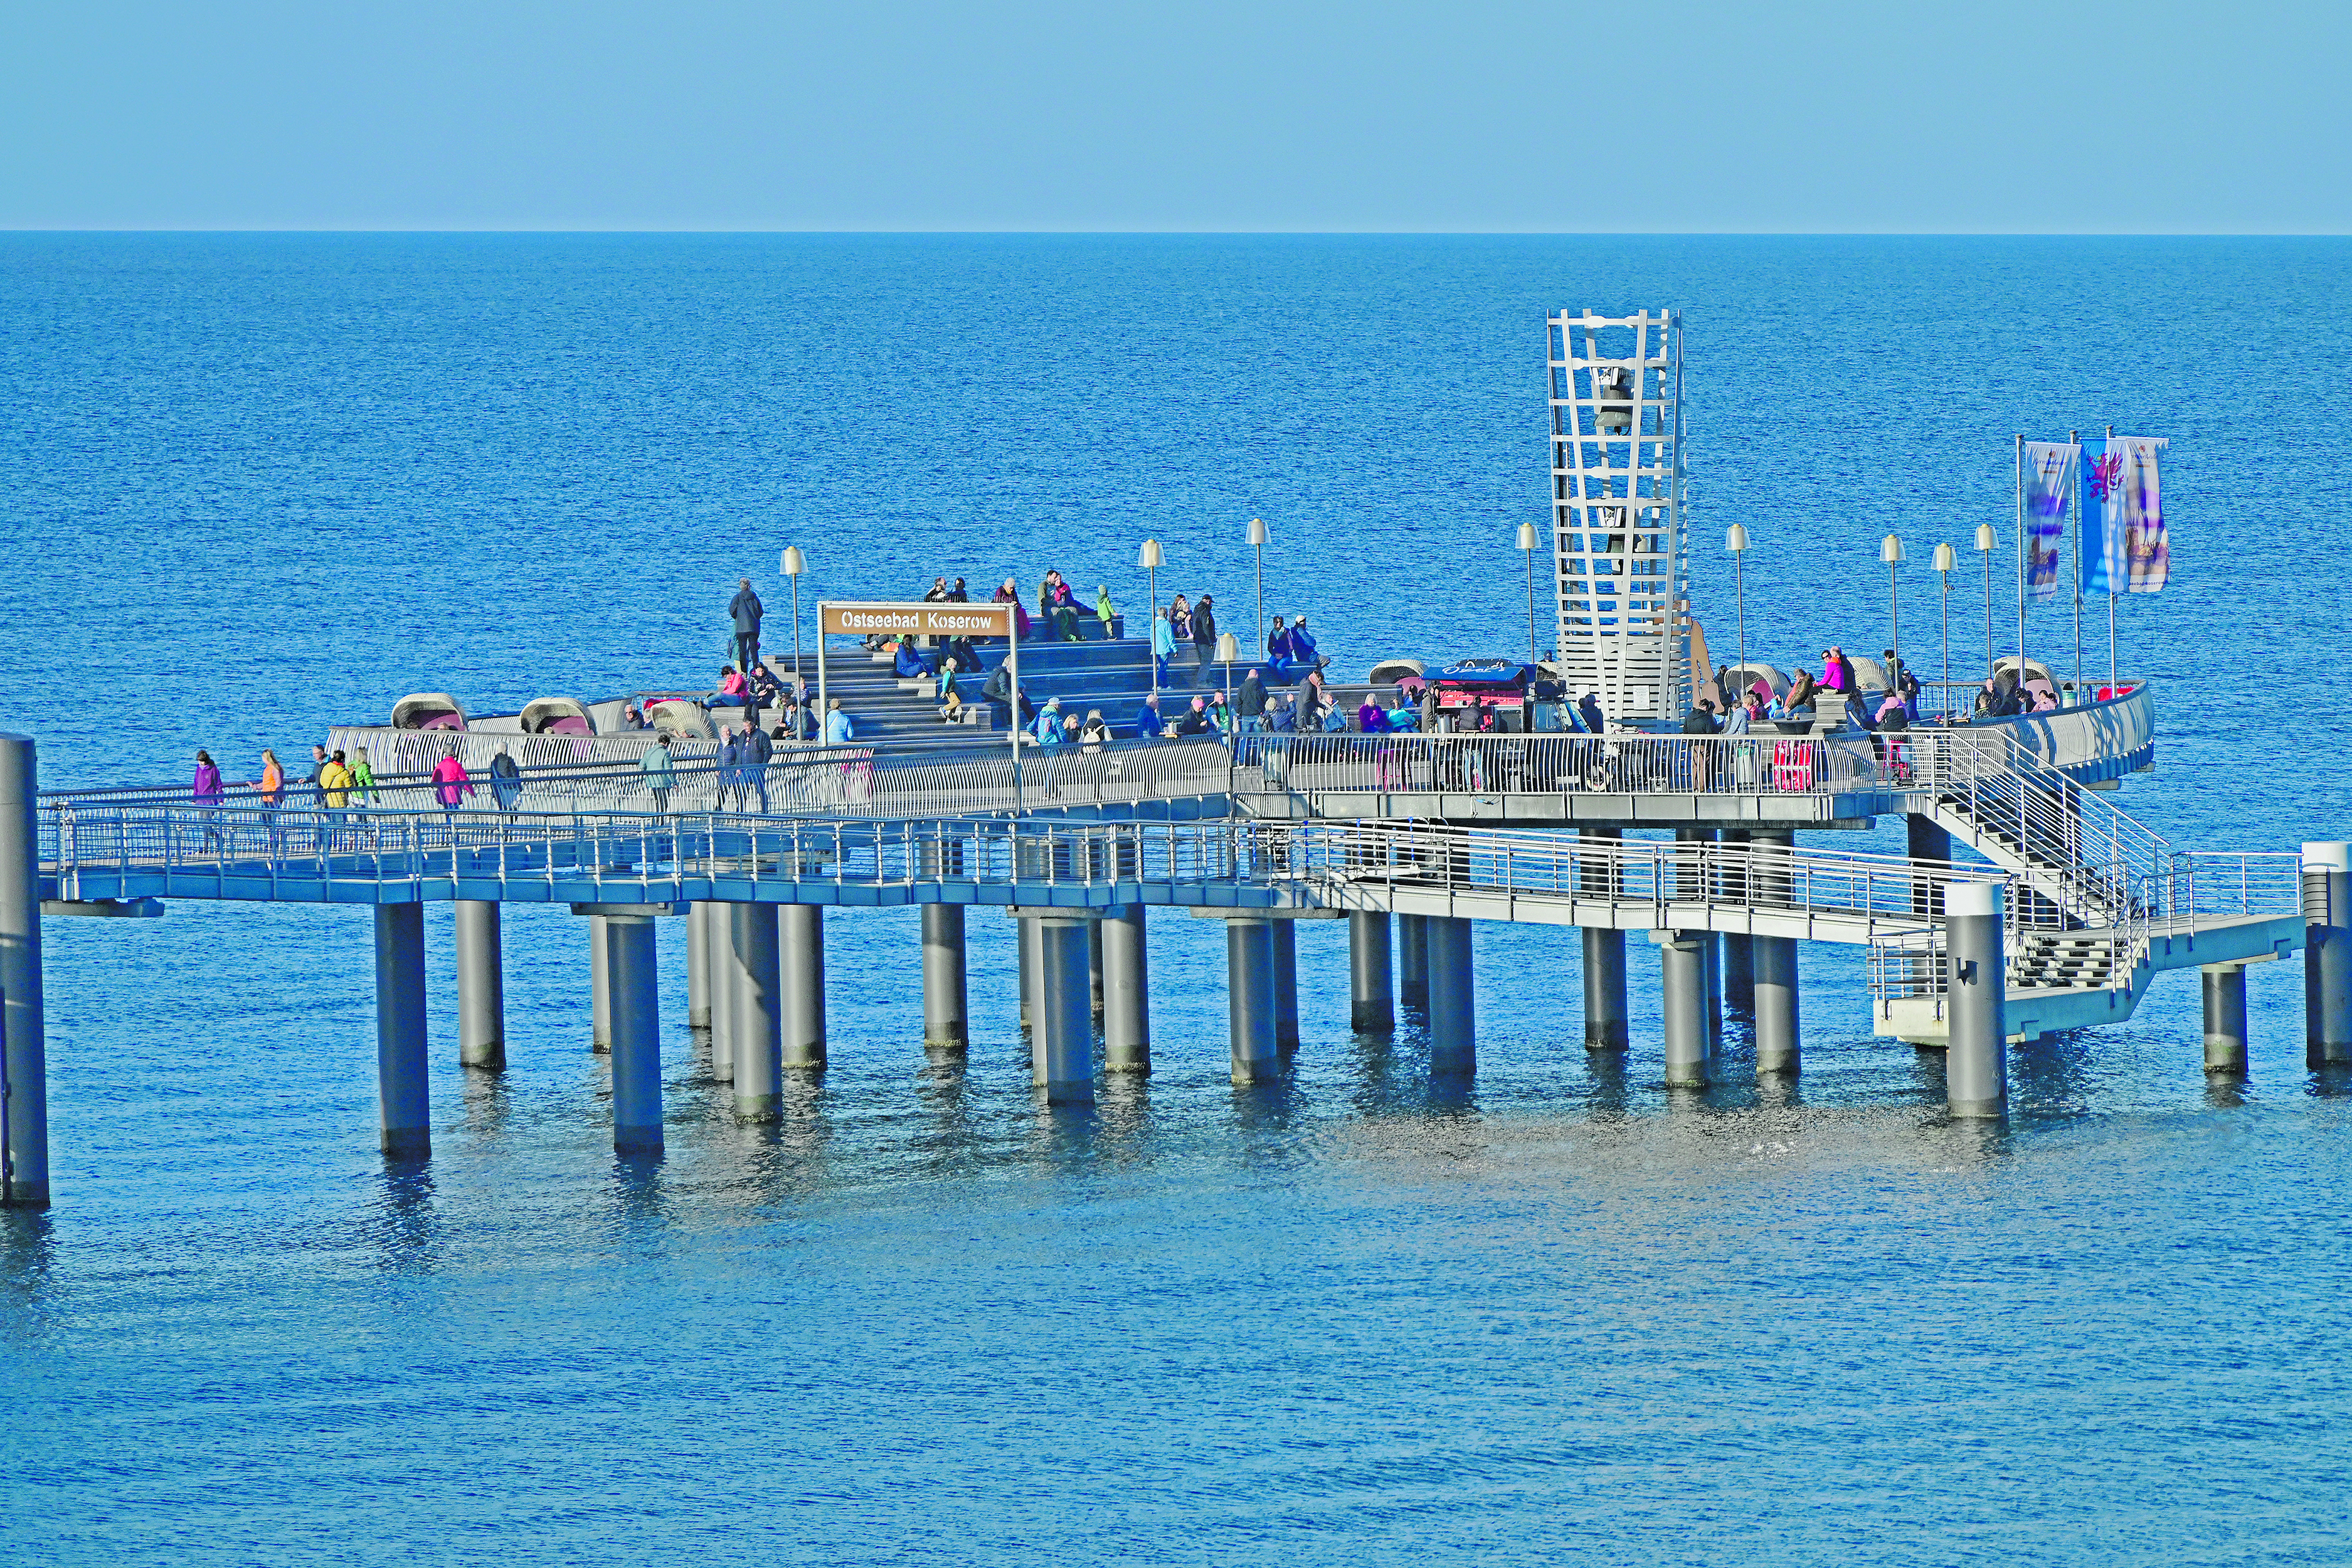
(718, 935)
(1453, 999)
(600, 1033)
(698, 966)
(1412, 960)
(403, 1109)
(1127, 991)
(1249, 966)
(1372, 999)
(2327, 955)
(800, 939)
(1061, 1043)
(1976, 1060)
(1284, 936)
(481, 986)
(947, 1022)
(635, 1008)
(1605, 1008)
(1683, 970)
(24, 1052)
(2225, 1019)
(753, 969)
(1779, 1047)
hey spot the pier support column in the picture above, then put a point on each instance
(718, 934)
(799, 942)
(1694, 882)
(1127, 991)
(1062, 1043)
(1413, 959)
(24, 1062)
(481, 986)
(403, 1109)
(1249, 972)
(1095, 969)
(634, 1002)
(698, 966)
(600, 1035)
(2327, 955)
(1683, 970)
(1371, 988)
(1976, 1061)
(947, 1025)
(1284, 935)
(2225, 1020)
(1777, 1048)
(1737, 962)
(1605, 1009)
(753, 974)
(1025, 928)
(1453, 999)
(1925, 840)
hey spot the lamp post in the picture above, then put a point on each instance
(1229, 648)
(1985, 542)
(1890, 550)
(1734, 539)
(1946, 559)
(1528, 544)
(792, 564)
(1149, 558)
(1257, 543)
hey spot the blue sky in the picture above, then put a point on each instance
(2001, 118)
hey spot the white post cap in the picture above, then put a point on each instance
(2328, 857)
(1972, 898)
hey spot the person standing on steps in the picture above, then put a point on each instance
(1204, 632)
(1249, 703)
(1163, 644)
(746, 609)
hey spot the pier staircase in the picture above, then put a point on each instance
(1112, 676)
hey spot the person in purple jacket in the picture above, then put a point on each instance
(208, 794)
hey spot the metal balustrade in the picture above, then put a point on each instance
(240, 851)
(1502, 764)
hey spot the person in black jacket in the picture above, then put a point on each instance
(1204, 631)
(746, 609)
(755, 752)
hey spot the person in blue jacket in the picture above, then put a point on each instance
(1049, 723)
(909, 664)
(1148, 722)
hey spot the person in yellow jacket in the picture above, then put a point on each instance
(334, 790)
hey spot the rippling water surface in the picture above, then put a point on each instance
(254, 483)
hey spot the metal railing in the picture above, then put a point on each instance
(252, 852)
(1501, 763)
(800, 780)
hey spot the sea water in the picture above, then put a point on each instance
(254, 484)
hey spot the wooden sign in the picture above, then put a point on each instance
(920, 620)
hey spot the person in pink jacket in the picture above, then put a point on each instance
(450, 782)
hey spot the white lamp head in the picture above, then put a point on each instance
(1527, 537)
(1890, 550)
(1229, 647)
(1984, 537)
(1946, 558)
(1734, 539)
(1257, 530)
(1149, 557)
(794, 562)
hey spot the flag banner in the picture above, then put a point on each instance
(2126, 547)
(2103, 545)
(2139, 513)
(2049, 469)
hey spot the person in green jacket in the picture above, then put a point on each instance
(1105, 611)
(661, 777)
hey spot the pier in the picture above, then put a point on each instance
(2026, 903)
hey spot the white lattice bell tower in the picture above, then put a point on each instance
(1617, 523)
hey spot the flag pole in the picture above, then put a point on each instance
(2074, 483)
(2020, 565)
(2111, 569)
